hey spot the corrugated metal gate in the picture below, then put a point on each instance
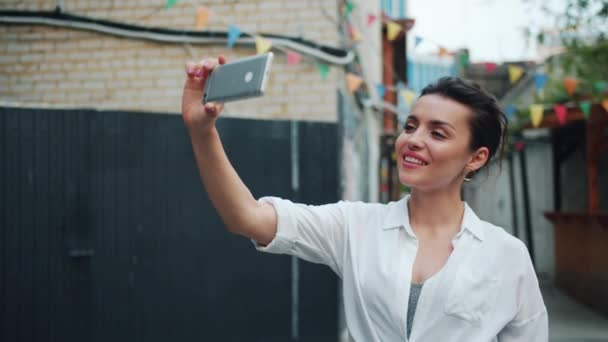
(107, 234)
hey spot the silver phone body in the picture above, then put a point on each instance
(241, 79)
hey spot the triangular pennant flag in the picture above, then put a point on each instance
(293, 58)
(381, 89)
(536, 114)
(170, 3)
(510, 110)
(354, 34)
(570, 84)
(600, 86)
(392, 30)
(605, 105)
(353, 81)
(323, 70)
(202, 16)
(408, 96)
(233, 34)
(561, 112)
(371, 18)
(417, 41)
(464, 59)
(262, 45)
(442, 51)
(540, 80)
(349, 6)
(515, 73)
(519, 145)
(490, 67)
(586, 108)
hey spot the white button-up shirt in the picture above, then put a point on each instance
(486, 291)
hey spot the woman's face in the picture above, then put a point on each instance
(433, 151)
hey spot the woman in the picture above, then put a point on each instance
(425, 268)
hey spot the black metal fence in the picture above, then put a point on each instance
(107, 234)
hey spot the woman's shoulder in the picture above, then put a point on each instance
(502, 241)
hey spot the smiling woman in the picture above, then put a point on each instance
(424, 268)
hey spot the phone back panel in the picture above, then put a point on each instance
(240, 79)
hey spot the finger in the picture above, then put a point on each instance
(190, 69)
(208, 66)
(222, 59)
(212, 109)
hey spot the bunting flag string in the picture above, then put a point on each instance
(381, 89)
(515, 73)
(442, 51)
(353, 81)
(536, 114)
(392, 30)
(408, 96)
(202, 16)
(349, 6)
(262, 44)
(417, 41)
(540, 80)
(570, 84)
(510, 111)
(170, 3)
(561, 112)
(600, 86)
(293, 58)
(490, 67)
(371, 18)
(323, 70)
(233, 34)
(586, 108)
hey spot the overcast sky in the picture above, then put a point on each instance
(491, 29)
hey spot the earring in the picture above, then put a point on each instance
(468, 179)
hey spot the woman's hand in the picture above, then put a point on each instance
(200, 118)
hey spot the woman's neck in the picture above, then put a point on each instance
(435, 214)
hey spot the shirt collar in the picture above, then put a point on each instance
(398, 217)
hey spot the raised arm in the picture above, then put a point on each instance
(241, 212)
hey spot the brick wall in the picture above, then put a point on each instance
(43, 65)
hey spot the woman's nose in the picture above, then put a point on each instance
(415, 141)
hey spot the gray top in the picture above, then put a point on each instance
(415, 290)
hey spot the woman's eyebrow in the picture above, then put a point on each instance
(433, 122)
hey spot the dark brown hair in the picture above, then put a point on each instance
(488, 121)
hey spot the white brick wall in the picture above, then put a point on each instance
(64, 67)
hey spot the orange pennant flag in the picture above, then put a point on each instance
(202, 16)
(442, 51)
(605, 105)
(262, 44)
(354, 34)
(570, 84)
(536, 114)
(353, 81)
(392, 30)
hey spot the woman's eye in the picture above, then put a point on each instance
(408, 127)
(438, 134)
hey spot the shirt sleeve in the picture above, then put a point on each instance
(313, 233)
(531, 322)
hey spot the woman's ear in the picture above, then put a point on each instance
(478, 159)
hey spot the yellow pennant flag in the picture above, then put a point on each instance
(262, 44)
(515, 73)
(536, 114)
(408, 96)
(202, 16)
(442, 51)
(353, 81)
(392, 30)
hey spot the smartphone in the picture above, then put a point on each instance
(241, 79)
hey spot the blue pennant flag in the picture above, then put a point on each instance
(540, 80)
(510, 110)
(418, 41)
(381, 90)
(233, 34)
